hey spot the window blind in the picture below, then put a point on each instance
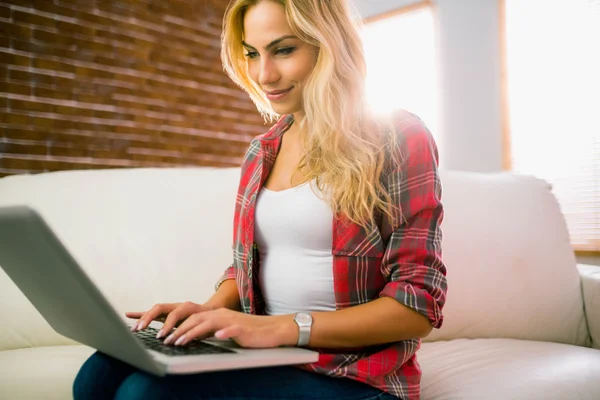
(553, 77)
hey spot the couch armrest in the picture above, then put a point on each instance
(590, 285)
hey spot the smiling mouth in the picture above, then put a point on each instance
(278, 94)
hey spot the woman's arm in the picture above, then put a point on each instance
(384, 320)
(226, 296)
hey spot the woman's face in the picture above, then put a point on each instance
(278, 61)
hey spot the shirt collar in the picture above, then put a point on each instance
(270, 141)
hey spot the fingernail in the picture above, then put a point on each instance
(133, 327)
(180, 341)
(160, 334)
(169, 339)
(140, 326)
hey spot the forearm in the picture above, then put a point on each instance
(383, 320)
(226, 296)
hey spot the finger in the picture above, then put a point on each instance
(200, 330)
(229, 332)
(156, 312)
(182, 312)
(134, 314)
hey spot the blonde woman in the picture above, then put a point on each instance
(338, 218)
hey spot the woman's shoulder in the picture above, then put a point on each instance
(413, 141)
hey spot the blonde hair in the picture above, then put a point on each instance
(344, 143)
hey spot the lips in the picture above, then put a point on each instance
(276, 92)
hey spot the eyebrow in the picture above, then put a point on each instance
(273, 43)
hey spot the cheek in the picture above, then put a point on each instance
(253, 71)
(301, 69)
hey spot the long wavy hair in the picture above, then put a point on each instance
(345, 145)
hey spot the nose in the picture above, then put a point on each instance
(268, 73)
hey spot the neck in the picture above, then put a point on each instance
(295, 132)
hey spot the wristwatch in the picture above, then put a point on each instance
(304, 321)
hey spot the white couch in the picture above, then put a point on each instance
(519, 321)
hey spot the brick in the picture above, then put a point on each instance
(15, 88)
(86, 72)
(15, 59)
(89, 16)
(77, 4)
(16, 148)
(52, 8)
(4, 12)
(78, 111)
(90, 98)
(68, 151)
(46, 79)
(43, 123)
(25, 105)
(5, 42)
(44, 63)
(44, 164)
(67, 28)
(38, 48)
(16, 119)
(51, 37)
(25, 133)
(92, 46)
(132, 79)
(52, 93)
(32, 18)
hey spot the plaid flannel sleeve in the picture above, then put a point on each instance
(412, 263)
(228, 274)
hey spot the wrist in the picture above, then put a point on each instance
(288, 330)
(213, 305)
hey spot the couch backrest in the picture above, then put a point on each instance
(143, 235)
(161, 235)
(511, 268)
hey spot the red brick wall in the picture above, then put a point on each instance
(117, 83)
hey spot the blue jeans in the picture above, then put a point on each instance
(103, 377)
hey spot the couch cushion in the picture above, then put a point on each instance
(508, 369)
(40, 373)
(511, 268)
(459, 369)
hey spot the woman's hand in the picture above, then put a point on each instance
(250, 331)
(171, 314)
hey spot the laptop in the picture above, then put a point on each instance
(41, 266)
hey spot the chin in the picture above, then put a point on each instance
(291, 106)
(284, 110)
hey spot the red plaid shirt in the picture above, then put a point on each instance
(400, 261)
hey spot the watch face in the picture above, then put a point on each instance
(303, 318)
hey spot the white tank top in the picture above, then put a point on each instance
(293, 231)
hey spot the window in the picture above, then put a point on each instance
(400, 56)
(553, 77)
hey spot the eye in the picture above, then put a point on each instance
(285, 51)
(252, 54)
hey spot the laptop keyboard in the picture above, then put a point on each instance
(195, 347)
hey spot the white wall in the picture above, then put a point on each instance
(468, 38)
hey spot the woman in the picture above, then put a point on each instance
(366, 288)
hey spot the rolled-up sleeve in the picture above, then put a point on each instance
(412, 263)
(228, 274)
